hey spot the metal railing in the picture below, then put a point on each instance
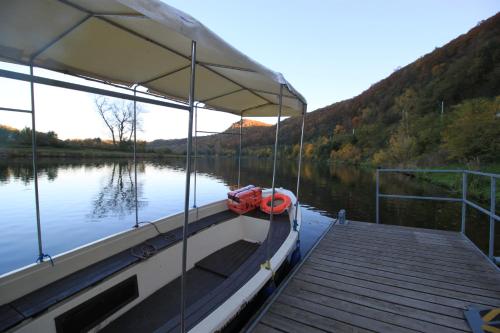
(463, 199)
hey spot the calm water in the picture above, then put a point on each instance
(81, 202)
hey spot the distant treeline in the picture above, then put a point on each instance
(14, 138)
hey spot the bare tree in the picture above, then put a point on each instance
(118, 116)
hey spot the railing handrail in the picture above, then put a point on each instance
(472, 172)
(465, 202)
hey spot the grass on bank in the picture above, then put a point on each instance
(44, 152)
(477, 186)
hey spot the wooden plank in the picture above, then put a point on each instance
(430, 276)
(263, 328)
(414, 241)
(458, 254)
(397, 228)
(488, 301)
(450, 261)
(459, 304)
(316, 321)
(489, 279)
(396, 316)
(343, 315)
(451, 238)
(389, 232)
(388, 304)
(421, 244)
(389, 278)
(430, 263)
(412, 257)
(382, 295)
(367, 245)
(398, 276)
(286, 324)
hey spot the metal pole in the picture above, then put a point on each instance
(267, 264)
(464, 200)
(239, 151)
(35, 168)
(92, 90)
(195, 152)
(135, 161)
(377, 198)
(188, 179)
(491, 249)
(299, 167)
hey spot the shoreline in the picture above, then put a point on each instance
(453, 182)
(51, 152)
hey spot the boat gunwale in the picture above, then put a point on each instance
(249, 288)
(137, 235)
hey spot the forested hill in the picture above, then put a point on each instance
(399, 120)
(218, 144)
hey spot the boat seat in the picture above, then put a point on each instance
(209, 284)
(228, 259)
(41, 299)
(165, 303)
(202, 307)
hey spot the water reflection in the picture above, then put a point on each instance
(75, 194)
(326, 187)
(117, 194)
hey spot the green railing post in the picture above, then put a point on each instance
(377, 212)
(464, 200)
(491, 249)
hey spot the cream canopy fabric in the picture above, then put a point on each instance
(142, 42)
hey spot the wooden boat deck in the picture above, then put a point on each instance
(364, 277)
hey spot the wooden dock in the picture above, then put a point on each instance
(365, 277)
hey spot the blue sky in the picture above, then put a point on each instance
(329, 50)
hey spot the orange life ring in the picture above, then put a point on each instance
(265, 204)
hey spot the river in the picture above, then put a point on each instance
(83, 201)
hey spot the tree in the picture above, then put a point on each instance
(347, 152)
(474, 130)
(118, 116)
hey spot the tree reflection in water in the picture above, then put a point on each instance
(325, 187)
(117, 195)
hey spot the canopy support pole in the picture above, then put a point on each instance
(299, 167)
(239, 151)
(195, 166)
(135, 160)
(267, 264)
(14, 110)
(79, 87)
(34, 154)
(188, 179)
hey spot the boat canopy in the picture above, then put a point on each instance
(141, 42)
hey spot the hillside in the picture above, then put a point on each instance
(443, 108)
(216, 144)
(398, 120)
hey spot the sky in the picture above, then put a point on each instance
(330, 50)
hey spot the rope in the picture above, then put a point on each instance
(147, 222)
(43, 256)
(146, 251)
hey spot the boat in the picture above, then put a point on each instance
(193, 271)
